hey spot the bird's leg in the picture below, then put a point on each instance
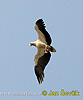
(47, 48)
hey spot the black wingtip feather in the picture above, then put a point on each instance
(41, 26)
(40, 23)
(39, 73)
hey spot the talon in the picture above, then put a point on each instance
(46, 52)
(46, 49)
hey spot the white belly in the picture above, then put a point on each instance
(40, 44)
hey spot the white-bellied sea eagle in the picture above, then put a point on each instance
(43, 55)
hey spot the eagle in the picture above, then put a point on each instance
(44, 48)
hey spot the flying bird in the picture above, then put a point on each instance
(43, 55)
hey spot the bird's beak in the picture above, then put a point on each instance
(30, 44)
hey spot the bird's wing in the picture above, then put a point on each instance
(43, 35)
(41, 59)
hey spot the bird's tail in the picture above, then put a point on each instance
(52, 49)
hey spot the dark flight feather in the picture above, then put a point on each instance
(39, 68)
(41, 27)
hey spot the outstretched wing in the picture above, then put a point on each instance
(43, 35)
(41, 59)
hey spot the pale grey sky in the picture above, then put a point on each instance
(64, 22)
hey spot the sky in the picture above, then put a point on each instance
(64, 22)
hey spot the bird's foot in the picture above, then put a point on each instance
(47, 49)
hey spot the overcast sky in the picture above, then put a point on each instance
(64, 22)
